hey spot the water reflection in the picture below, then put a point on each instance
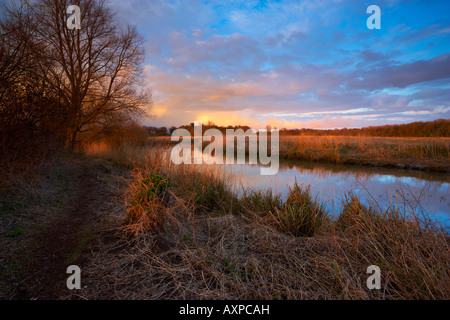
(388, 187)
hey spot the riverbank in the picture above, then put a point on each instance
(423, 154)
(192, 238)
(153, 230)
(426, 154)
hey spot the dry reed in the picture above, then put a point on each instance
(221, 247)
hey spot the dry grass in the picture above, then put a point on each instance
(34, 209)
(415, 153)
(432, 154)
(122, 154)
(204, 243)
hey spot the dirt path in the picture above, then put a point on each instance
(74, 233)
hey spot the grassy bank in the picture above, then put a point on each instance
(428, 154)
(190, 237)
(431, 154)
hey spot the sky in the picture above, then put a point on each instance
(293, 64)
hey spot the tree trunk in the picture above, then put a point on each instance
(71, 139)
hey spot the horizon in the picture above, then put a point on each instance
(294, 64)
(318, 129)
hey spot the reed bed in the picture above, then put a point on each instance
(429, 154)
(416, 153)
(187, 236)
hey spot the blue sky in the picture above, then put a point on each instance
(294, 63)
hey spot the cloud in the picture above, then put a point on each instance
(293, 63)
(404, 75)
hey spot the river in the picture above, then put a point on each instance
(411, 190)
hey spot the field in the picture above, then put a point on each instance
(430, 154)
(412, 153)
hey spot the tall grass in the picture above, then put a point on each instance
(202, 241)
(417, 153)
(146, 209)
(412, 253)
(299, 214)
(414, 153)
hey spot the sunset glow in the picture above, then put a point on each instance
(294, 64)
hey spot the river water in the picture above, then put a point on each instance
(412, 190)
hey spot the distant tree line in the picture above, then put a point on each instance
(436, 128)
(158, 131)
(164, 131)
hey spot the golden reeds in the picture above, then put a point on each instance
(210, 244)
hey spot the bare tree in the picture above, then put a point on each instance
(31, 117)
(95, 71)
